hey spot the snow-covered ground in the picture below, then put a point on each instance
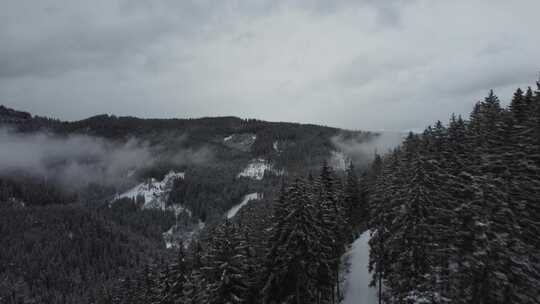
(357, 290)
(257, 167)
(232, 212)
(155, 192)
(240, 141)
(275, 145)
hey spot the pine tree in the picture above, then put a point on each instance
(518, 107)
(172, 286)
(333, 220)
(195, 289)
(453, 212)
(355, 209)
(294, 256)
(225, 266)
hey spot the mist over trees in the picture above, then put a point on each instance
(453, 214)
(35, 191)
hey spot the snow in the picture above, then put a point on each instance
(240, 141)
(232, 212)
(255, 169)
(177, 235)
(275, 145)
(339, 160)
(155, 192)
(357, 288)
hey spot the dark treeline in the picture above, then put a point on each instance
(291, 255)
(33, 191)
(65, 254)
(301, 145)
(126, 241)
(455, 211)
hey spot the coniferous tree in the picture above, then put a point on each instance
(195, 287)
(355, 209)
(454, 211)
(294, 256)
(225, 266)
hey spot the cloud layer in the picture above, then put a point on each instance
(77, 160)
(362, 150)
(367, 64)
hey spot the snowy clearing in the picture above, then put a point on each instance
(232, 212)
(182, 236)
(255, 169)
(240, 141)
(155, 192)
(357, 288)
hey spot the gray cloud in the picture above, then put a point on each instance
(362, 150)
(74, 161)
(78, 160)
(367, 64)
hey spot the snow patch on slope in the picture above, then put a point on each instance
(240, 141)
(357, 279)
(339, 161)
(178, 236)
(256, 169)
(275, 145)
(156, 193)
(234, 210)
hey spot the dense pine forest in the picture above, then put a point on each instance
(115, 248)
(289, 254)
(269, 152)
(453, 215)
(454, 211)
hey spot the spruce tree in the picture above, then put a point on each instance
(225, 263)
(356, 211)
(294, 256)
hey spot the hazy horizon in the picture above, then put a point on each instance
(367, 65)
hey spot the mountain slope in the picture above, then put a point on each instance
(69, 254)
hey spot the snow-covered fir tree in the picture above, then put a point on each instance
(454, 211)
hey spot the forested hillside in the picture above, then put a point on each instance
(95, 194)
(455, 211)
(66, 254)
(285, 251)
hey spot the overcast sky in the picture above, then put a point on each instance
(364, 64)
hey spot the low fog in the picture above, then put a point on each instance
(362, 151)
(76, 161)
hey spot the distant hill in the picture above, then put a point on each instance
(187, 174)
(290, 145)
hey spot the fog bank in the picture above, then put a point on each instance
(76, 161)
(362, 151)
